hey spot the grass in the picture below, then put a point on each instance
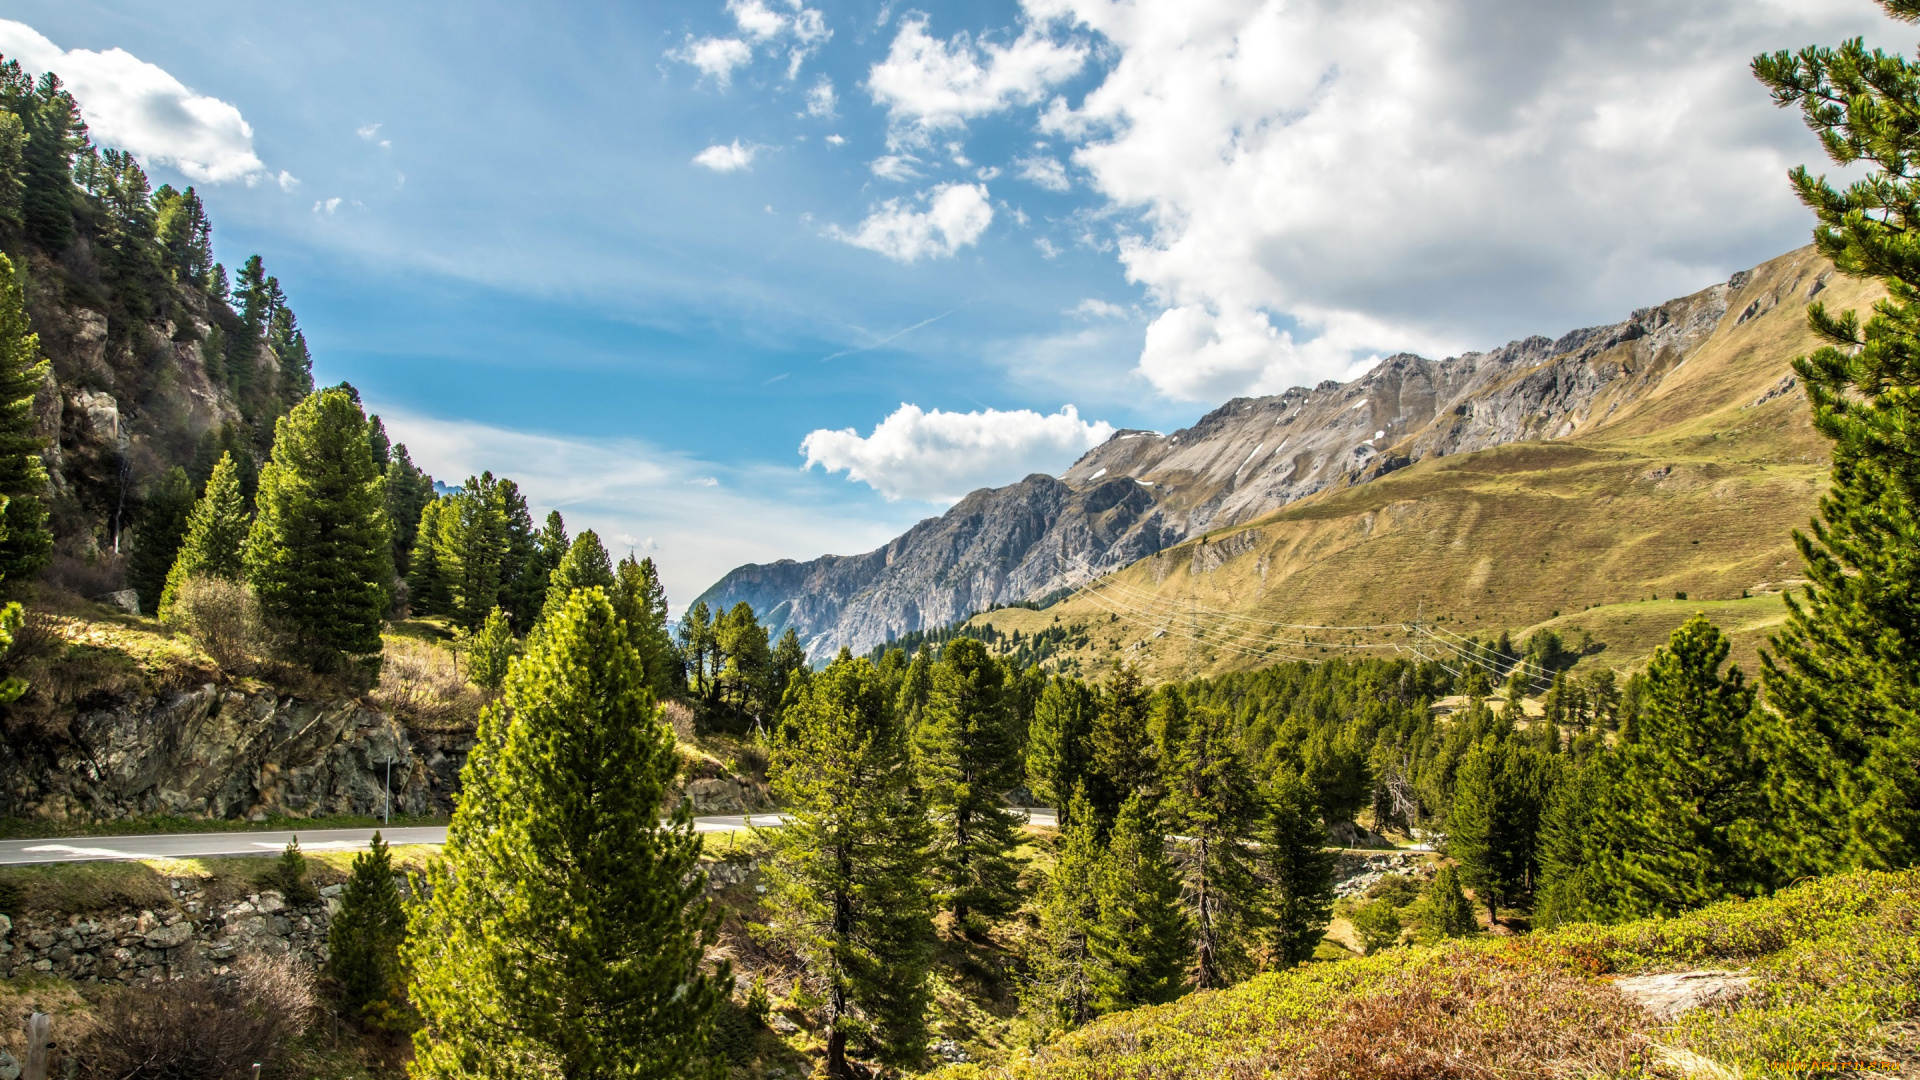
(1836, 964)
(76, 888)
(36, 829)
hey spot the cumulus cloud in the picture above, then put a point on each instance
(726, 157)
(821, 99)
(714, 57)
(142, 109)
(940, 456)
(928, 84)
(955, 217)
(1315, 183)
(894, 166)
(1044, 171)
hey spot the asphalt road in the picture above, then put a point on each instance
(198, 845)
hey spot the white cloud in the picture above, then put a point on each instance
(367, 131)
(715, 57)
(837, 140)
(955, 217)
(1315, 183)
(928, 84)
(625, 489)
(1044, 171)
(1092, 308)
(821, 99)
(726, 157)
(140, 108)
(895, 167)
(327, 206)
(940, 456)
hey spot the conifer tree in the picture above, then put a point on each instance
(641, 602)
(1141, 941)
(1684, 818)
(1298, 868)
(320, 554)
(789, 660)
(490, 652)
(215, 543)
(965, 754)
(408, 492)
(847, 889)
(696, 640)
(1058, 994)
(1570, 847)
(55, 133)
(1377, 925)
(1494, 824)
(1444, 911)
(364, 939)
(584, 566)
(916, 687)
(470, 550)
(1124, 761)
(158, 535)
(563, 934)
(427, 590)
(23, 478)
(1059, 743)
(1844, 675)
(1210, 804)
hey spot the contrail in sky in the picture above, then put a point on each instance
(893, 338)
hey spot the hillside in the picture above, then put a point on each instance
(1412, 489)
(1821, 972)
(1692, 486)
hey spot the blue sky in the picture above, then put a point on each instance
(651, 259)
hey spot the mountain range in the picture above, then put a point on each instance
(1142, 493)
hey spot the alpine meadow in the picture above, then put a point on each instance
(463, 683)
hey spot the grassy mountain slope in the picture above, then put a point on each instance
(1693, 487)
(1832, 967)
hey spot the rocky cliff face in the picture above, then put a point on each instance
(1143, 491)
(219, 753)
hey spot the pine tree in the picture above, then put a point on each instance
(408, 492)
(1493, 825)
(965, 754)
(158, 534)
(55, 133)
(364, 939)
(490, 652)
(470, 550)
(216, 536)
(743, 640)
(320, 554)
(427, 589)
(1140, 942)
(1684, 818)
(1058, 993)
(585, 566)
(1377, 925)
(1444, 911)
(641, 602)
(789, 663)
(23, 479)
(564, 932)
(696, 639)
(1123, 752)
(1298, 868)
(916, 688)
(1059, 743)
(1570, 846)
(1210, 803)
(846, 884)
(1844, 675)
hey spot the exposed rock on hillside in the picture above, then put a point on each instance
(218, 753)
(1142, 492)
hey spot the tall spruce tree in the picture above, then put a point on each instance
(364, 940)
(427, 589)
(1493, 827)
(1124, 761)
(1059, 743)
(1210, 804)
(215, 543)
(1571, 847)
(320, 553)
(1844, 676)
(1298, 871)
(847, 883)
(1058, 994)
(1444, 911)
(1140, 942)
(408, 492)
(584, 566)
(964, 749)
(564, 932)
(158, 534)
(1684, 818)
(23, 478)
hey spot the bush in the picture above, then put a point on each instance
(422, 682)
(1396, 889)
(194, 1028)
(1378, 926)
(223, 616)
